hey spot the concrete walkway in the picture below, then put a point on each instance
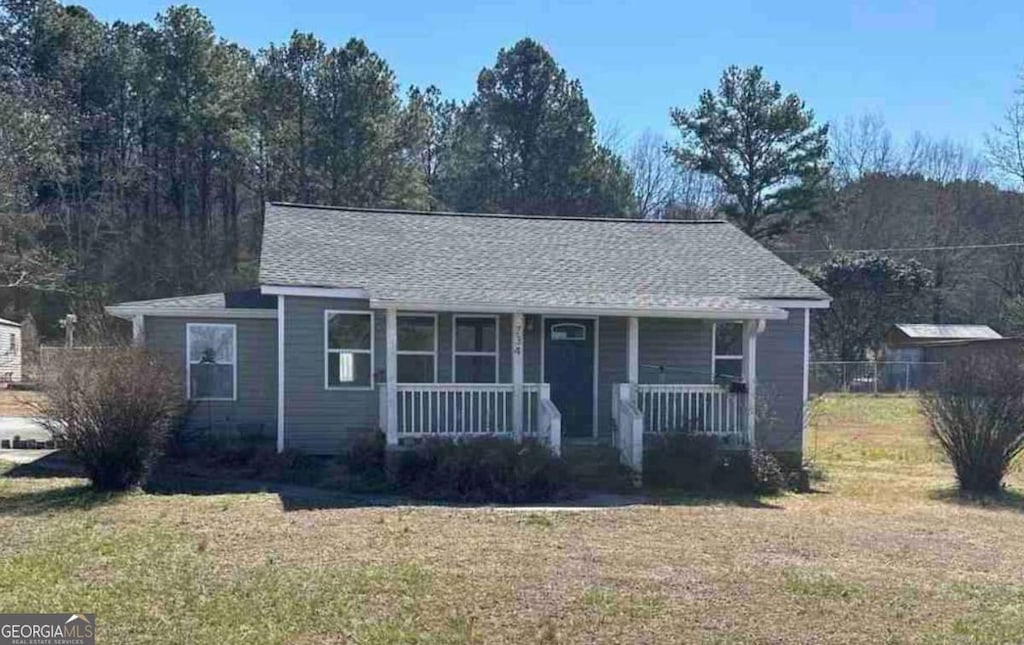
(23, 456)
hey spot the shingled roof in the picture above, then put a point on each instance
(907, 334)
(250, 300)
(536, 263)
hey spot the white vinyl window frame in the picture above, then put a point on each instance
(497, 338)
(189, 362)
(423, 352)
(715, 356)
(569, 331)
(328, 350)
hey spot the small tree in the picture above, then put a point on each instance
(869, 293)
(976, 411)
(112, 409)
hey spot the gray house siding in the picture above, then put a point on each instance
(679, 350)
(256, 395)
(324, 421)
(611, 367)
(318, 420)
(780, 384)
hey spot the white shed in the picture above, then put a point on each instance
(10, 351)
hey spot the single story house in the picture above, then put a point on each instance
(452, 325)
(10, 351)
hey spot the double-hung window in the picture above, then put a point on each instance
(727, 352)
(475, 349)
(212, 365)
(417, 348)
(349, 349)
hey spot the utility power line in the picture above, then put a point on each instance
(954, 247)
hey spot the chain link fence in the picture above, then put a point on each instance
(873, 377)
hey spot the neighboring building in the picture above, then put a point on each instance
(446, 324)
(10, 351)
(923, 343)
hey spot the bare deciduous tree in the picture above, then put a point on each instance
(943, 160)
(1006, 142)
(662, 190)
(862, 146)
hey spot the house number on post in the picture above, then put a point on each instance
(517, 335)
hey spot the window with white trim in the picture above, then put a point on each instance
(727, 352)
(417, 348)
(569, 331)
(475, 349)
(348, 339)
(212, 365)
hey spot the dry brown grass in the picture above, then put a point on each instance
(18, 403)
(881, 554)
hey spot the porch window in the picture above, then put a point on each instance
(417, 349)
(349, 349)
(727, 352)
(475, 349)
(211, 366)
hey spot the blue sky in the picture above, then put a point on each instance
(947, 69)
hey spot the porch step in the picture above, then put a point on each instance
(595, 466)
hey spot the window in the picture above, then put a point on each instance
(568, 331)
(349, 348)
(211, 361)
(727, 352)
(475, 353)
(417, 349)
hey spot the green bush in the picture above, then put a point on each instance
(482, 469)
(749, 471)
(367, 453)
(681, 460)
(701, 463)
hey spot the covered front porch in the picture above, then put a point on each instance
(564, 378)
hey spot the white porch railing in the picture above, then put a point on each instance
(709, 409)
(629, 427)
(473, 409)
(664, 408)
(549, 421)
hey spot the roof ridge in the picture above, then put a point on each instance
(571, 218)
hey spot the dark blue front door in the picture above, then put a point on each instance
(569, 368)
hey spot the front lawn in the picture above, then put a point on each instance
(883, 553)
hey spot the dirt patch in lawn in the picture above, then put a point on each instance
(879, 554)
(19, 403)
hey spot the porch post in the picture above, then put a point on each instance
(517, 375)
(751, 329)
(633, 353)
(391, 374)
(138, 330)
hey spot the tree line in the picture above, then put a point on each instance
(135, 160)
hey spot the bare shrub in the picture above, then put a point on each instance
(976, 412)
(112, 409)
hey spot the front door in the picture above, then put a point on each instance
(569, 368)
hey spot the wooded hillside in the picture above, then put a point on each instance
(135, 160)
